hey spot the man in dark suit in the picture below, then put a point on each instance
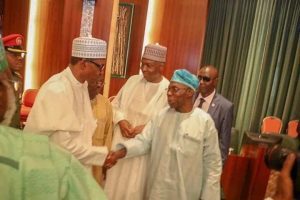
(219, 108)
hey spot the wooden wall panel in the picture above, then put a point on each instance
(102, 19)
(58, 23)
(183, 31)
(15, 18)
(49, 46)
(179, 25)
(136, 43)
(63, 21)
(71, 21)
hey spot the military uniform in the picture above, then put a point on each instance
(17, 83)
(15, 54)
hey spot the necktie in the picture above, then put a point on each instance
(201, 102)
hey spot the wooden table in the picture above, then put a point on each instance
(245, 176)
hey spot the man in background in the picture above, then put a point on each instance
(15, 55)
(142, 97)
(62, 108)
(185, 162)
(219, 108)
(103, 113)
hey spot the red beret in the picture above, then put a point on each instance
(15, 41)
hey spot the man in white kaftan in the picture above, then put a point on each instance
(142, 97)
(185, 160)
(62, 108)
(32, 167)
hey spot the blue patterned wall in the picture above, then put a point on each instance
(87, 18)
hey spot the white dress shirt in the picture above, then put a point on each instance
(207, 101)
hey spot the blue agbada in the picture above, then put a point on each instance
(185, 77)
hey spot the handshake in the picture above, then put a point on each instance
(111, 159)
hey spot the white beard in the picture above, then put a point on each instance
(11, 106)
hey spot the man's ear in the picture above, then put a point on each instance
(216, 82)
(190, 92)
(161, 67)
(198, 71)
(82, 64)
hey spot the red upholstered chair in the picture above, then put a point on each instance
(292, 128)
(271, 124)
(27, 102)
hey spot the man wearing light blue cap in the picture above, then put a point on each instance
(185, 162)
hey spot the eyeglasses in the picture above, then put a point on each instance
(100, 66)
(204, 78)
(175, 90)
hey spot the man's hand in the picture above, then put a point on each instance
(285, 183)
(110, 160)
(137, 130)
(126, 128)
(113, 157)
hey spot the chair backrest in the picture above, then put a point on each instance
(292, 128)
(234, 141)
(29, 97)
(27, 102)
(271, 124)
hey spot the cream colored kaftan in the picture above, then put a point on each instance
(62, 110)
(185, 160)
(138, 101)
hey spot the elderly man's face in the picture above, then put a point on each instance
(177, 95)
(95, 86)
(94, 68)
(151, 70)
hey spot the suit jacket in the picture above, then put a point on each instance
(221, 110)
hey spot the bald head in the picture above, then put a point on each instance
(212, 70)
(208, 77)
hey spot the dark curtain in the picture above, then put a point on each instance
(255, 45)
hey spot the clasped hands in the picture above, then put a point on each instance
(128, 130)
(112, 159)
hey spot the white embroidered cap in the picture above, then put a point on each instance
(155, 52)
(88, 47)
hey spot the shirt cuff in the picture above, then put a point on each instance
(101, 154)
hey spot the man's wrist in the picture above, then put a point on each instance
(120, 153)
